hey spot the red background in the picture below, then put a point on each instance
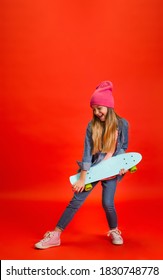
(53, 54)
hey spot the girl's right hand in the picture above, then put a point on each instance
(78, 186)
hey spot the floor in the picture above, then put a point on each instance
(24, 220)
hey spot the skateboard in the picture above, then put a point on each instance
(109, 167)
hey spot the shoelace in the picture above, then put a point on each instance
(47, 235)
(116, 231)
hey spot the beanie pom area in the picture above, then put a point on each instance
(105, 85)
(103, 95)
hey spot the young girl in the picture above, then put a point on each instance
(106, 136)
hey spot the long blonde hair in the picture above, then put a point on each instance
(104, 133)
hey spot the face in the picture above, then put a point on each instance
(100, 112)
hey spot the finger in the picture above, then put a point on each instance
(74, 188)
(79, 189)
(122, 171)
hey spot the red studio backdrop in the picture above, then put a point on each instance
(53, 55)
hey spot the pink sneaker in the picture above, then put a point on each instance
(115, 236)
(51, 238)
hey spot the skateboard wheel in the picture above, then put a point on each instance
(133, 169)
(88, 187)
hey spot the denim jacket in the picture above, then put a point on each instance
(89, 160)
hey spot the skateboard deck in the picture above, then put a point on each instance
(109, 167)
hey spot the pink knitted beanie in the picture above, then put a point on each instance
(103, 95)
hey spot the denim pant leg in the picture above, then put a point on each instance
(76, 202)
(108, 192)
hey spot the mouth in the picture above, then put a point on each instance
(101, 118)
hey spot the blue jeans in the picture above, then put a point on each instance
(108, 192)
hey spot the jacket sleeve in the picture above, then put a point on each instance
(125, 135)
(86, 162)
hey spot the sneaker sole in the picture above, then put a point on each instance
(117, 243)
(46, 247)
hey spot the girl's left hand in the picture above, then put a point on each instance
(122, 171)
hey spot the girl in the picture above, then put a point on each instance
(106, 136)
